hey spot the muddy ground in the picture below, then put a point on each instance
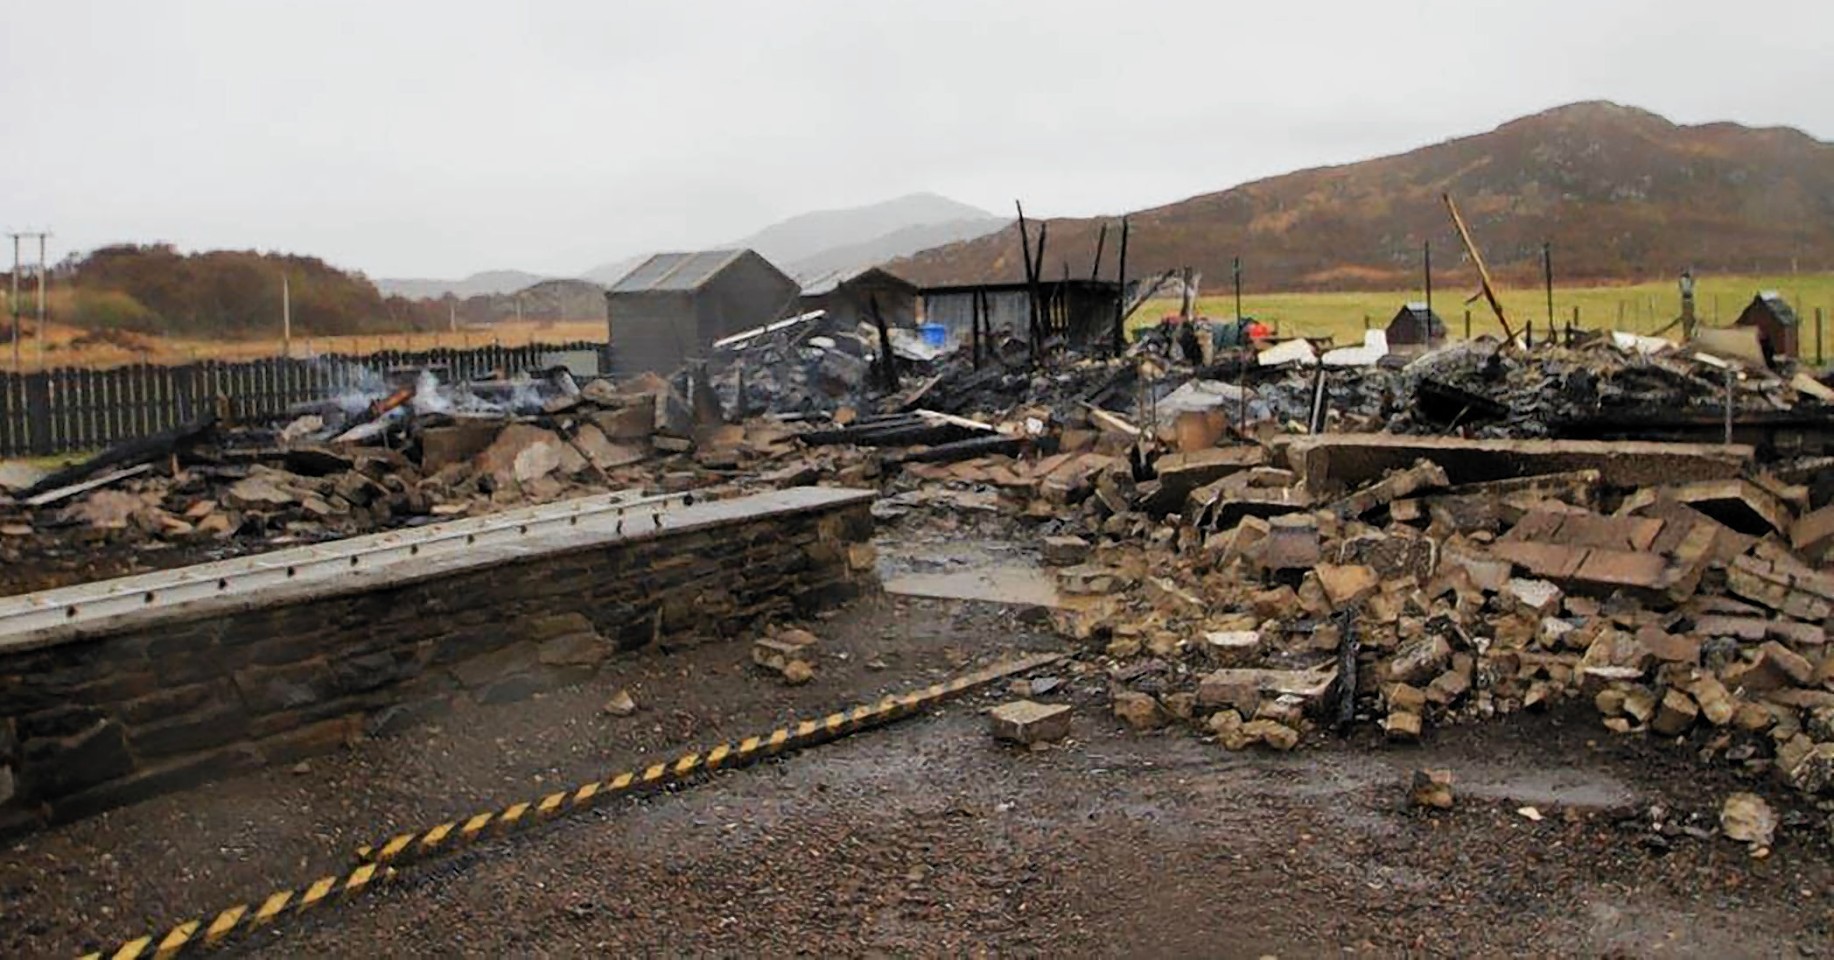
(928, 838)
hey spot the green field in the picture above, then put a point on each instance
(1639, 308)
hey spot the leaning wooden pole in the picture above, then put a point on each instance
(1483, 272)
(1120, 300)
(1101, 241)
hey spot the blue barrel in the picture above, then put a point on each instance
(935, 335)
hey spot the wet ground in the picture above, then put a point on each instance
(928, 838)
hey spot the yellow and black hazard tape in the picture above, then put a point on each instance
(377, 863)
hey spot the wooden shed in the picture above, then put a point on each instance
(1081, 311)
(673, 305)
(1778, 326)
(1416, 325)
(847, 296)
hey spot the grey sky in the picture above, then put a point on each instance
(439, 138)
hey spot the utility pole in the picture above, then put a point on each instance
(41, 299)
(13, 300)
(1547, 271)
(1426, 255)
(1238, 291)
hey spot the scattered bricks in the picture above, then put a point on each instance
(1291, 543)
(1402, 726)
(1065, 551)
(1181, 705)
(1227, 726)
(1346, 584)
(1792, 666)
(1487, 574)
(787, 647)
(1028, 722)
(1639, 704)
(1422, 476)
(1168, 597)
(576, 650)
(1138, 710)
(1273, 733)
(1716, 703)
(1538, 597)
(1231, 648)
(1813, 772)
(1087, 578)
(1275, 603)
(1244, 689)
(1610, 701)
(862, 557)
(1313, 601)
(1405, 698)
(1675, 715)
(621, 704)
(1448, 687)
(1392, 557)
(1244, 540)
(1419, 660)
(1668, 647)
(797, 672)
(1813, 532)
(1746, 818)
(1431, 788)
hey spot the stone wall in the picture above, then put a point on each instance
(92, 721)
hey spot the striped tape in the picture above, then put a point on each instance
(377, 863)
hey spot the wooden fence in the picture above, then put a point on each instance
(66, 409)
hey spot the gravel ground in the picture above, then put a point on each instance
(928, 838)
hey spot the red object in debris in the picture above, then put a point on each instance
(1258, 331)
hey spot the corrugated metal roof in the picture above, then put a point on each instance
(675, 271)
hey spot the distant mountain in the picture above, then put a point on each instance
(825, 235)
(814, 245)
(606, 274)
(478, 284)
(898, 243)
(1621, 193)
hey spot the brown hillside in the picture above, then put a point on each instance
(1622, 194)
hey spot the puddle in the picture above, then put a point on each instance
(1007, 583)
(1562, 787)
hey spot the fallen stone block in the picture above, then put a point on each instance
(1423, 475)
(1746, 818)
(1351, 460)
(1141, 711)
(1675, 715)
(1028, 722)
(786, 647)
(1431, 788)
(1231, 648)
(1347, 584)
(1402, 726)
(1277, 735)
(1065, 551)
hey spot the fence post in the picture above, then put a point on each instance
(1818, 360)
(38, 411)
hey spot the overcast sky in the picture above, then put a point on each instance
(440, 138)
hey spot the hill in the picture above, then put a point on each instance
(478, 284)
(812, 245)
(1621, 193)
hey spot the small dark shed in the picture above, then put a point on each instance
(1415, 325)
(1082, 311)
(846, 296)
(1776, 322)
(674, 304)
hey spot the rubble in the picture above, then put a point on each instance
(1029, 722)
(1431, 788)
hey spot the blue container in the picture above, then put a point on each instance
(935, 335)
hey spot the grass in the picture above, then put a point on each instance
(1636, 308)
(65, 346)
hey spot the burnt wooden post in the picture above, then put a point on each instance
(1101, 240)
(38, 412)
(888, 364)
(1120, 300)
(1818, 360)
(1467, 323)
(974, 326)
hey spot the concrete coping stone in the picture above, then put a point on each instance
(371, 562)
